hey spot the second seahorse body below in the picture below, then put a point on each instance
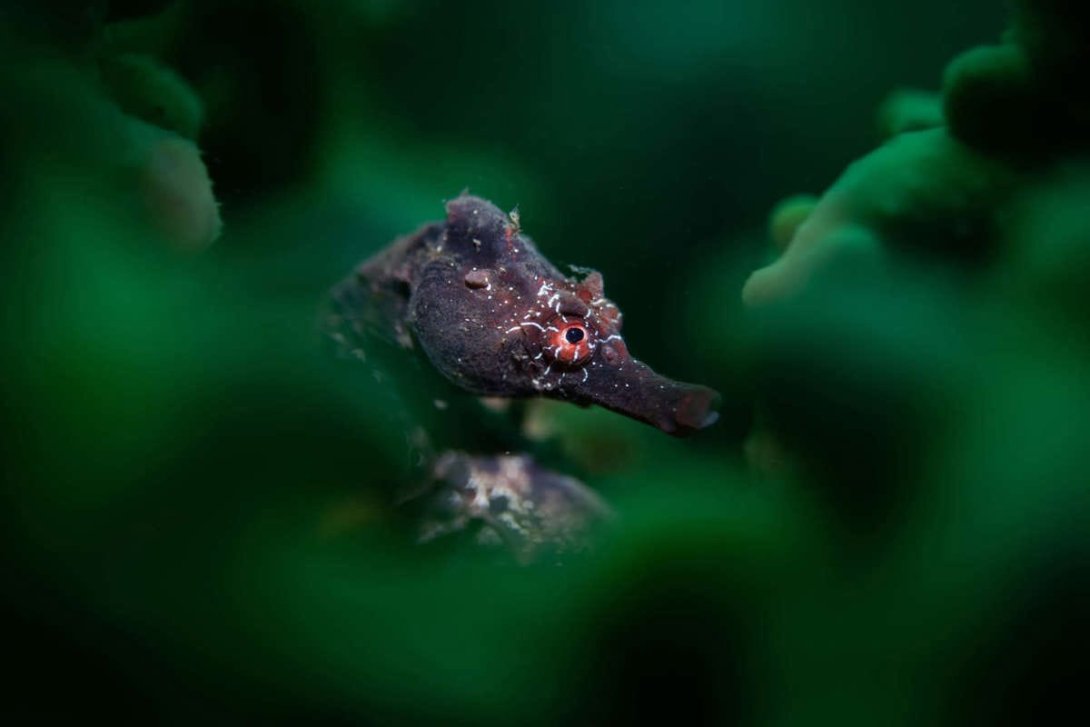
(498, 319)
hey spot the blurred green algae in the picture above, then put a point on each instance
(200, 506)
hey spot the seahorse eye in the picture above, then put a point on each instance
(569, 341)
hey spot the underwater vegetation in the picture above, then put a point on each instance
(231, 495)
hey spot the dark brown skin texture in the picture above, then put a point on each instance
(498, 319)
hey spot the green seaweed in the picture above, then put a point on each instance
(887, 525)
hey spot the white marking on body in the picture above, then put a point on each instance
(538, 381)
(525, 323)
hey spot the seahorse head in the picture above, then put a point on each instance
(497, 318)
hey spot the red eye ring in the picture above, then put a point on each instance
(569, 341)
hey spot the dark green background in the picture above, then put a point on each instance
(198, 510)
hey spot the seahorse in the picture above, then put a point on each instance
(495, 318)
